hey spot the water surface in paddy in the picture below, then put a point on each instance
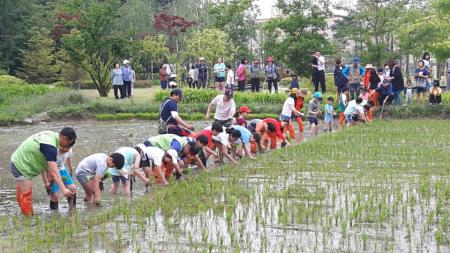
(92, 137)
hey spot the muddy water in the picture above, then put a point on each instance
(93, 137)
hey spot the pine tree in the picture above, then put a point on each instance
(38, 60)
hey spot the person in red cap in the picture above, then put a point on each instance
(271, 75)
(241, 115)
(255, 70)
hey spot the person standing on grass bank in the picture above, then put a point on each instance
(126, 76)
(354, 74)
(193, 77)
(340, 80)
(255, 70)
(447, 70)
(241, 73)
(313, 112)
(38, 153)
(169, 119)
(117, 81)
(271, 75)
(225, 108)
(219, 72)
(202, 74)
(133, 82)
(63, 160)
(421, 77)
(92, 169)
(131, 163)
(397, 81)
(318, 65)
(163, 76)
(230, 78)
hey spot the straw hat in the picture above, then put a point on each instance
(369, 66)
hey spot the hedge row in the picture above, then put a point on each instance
(205, 96)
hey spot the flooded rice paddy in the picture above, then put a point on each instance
(378, 188)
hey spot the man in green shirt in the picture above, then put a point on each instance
(35, 155)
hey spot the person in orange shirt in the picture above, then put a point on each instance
(271, 129)
(299, 102)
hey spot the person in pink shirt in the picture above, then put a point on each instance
(241, 73)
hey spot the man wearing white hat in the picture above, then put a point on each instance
(126, 76)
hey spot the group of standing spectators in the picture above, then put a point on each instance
(386, 84)
(123, 80)
(225, 77)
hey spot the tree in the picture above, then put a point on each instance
(154, 49)
(14, 20)
(238, 19)
(38, 60)
(210, 44)
(293, 37)
(92, 45)
(69, 72)
(370, 25)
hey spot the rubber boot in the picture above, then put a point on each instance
(25, 201)
(72, 200)
(53, 205)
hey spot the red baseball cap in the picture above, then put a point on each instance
(244, 109)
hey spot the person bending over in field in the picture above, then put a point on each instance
(132, 162)
(38, 153)
(63, 160)
(157, 162)
(92, 169)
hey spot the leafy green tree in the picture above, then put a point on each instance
(38, 60)
(154, 49)
(238, 19)
(15, 21)
(210, 44)
(92, 45)
(293, 37)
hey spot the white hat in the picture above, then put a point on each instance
(126, 62)
(201, 59)
(174, 154)
(141, 146)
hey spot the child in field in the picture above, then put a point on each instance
(329, 113)
(63, 160)
(343, 101)
(313, 112)
(241, 116)
(157, 162)
(132, 161)
(408, 93)
(294, 83)
(92, 169)
(364, 94)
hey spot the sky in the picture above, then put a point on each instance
(265, 7)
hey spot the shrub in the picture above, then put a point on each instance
(7, 80)
(206, 96)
